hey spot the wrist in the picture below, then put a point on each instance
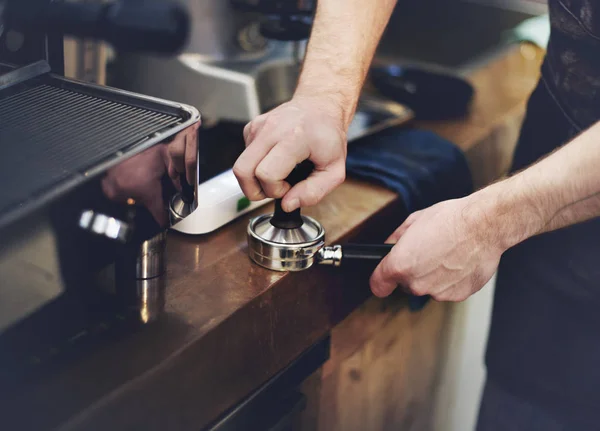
(333, 92)
(511, 212)
(329, 103)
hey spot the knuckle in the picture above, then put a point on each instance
(263, 174)
(401, 269)
(440, 297)
(268, 122)
(253, 130)
(340, 177)
(256, 194)
(419, 288)
(298, 130)
(240, 171)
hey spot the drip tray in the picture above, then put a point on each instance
(56, 133)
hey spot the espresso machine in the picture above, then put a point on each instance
(88, 175)
(242, 59)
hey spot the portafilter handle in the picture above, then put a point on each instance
(293, 220)
(336, 255)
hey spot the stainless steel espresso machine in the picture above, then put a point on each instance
(87, 174)
(241, 60)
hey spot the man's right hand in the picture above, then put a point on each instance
(313, 128)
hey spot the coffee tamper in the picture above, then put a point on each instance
(286, 241)
(294, 242)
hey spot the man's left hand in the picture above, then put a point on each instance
(448, 251)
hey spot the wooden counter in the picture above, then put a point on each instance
(230, 325)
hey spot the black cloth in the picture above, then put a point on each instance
(422, 167)
(544, 344)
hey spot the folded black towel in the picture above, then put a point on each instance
(422, 167)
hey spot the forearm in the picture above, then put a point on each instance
(344, 38)
(560, 190)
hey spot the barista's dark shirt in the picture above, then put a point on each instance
(545, 337)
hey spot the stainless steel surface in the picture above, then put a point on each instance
(106, 226)
(223, 90)
(306, 233)
(280, 251)
(330, 255)
(241, 91)
(56, 247)
(23, 74)
(217, 32)
(30, 271)
(151, 298)
(150, 262)
(150, 278)
(179, 209)
(59, 133)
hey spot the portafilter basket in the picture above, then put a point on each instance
(294, 242)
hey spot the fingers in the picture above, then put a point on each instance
(312, 190)
(393, 239)
(387, 276)
(245, 166)
(277, 165)
(253, 128)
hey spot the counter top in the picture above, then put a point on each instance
(230, 325)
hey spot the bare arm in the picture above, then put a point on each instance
(344, 38)
(452, 249)
(559, 190)
(315, 122)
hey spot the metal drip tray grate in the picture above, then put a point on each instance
(54, 132)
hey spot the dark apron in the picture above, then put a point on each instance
(544, 344)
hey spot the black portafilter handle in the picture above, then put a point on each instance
(374, 252)
(144, 26)
(293, 220)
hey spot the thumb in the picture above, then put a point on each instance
(383, 280)
(312, 190)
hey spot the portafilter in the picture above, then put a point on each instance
(294, 242)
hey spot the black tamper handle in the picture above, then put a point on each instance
(365, 251)
(293, 220)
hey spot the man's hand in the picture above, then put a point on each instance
(304, 128)
(448, 251)
(313, 125)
